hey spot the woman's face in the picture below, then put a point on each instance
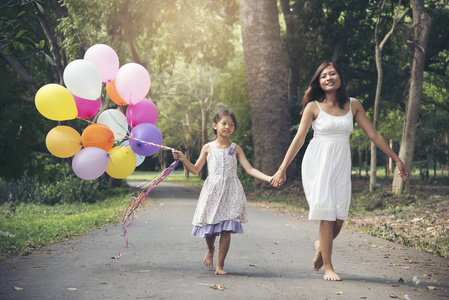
(329, 80)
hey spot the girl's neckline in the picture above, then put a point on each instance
(213, 143)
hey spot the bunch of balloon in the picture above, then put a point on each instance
(116, 143)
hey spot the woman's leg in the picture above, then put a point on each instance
(225, 242)
(318, 260)
(326, 236)
(209, 257)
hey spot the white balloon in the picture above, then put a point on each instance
(116, 121)
(82, 78)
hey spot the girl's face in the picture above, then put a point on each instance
(329, 80)
(225, 126)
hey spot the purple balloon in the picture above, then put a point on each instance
(90, 163)
(142, 133)
(145, 111)
(87, 108)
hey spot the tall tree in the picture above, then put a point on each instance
(421, 30)
(378, 54)
(267, 85)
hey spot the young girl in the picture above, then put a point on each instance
(326, 166)
(221, 205)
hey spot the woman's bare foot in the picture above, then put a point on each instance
(331, 275)
(318, 260)
(209, 258)
(219, 270)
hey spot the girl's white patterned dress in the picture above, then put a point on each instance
(222, 201)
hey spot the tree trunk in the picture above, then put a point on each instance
(23, 74)
(54, 48)
(360, 161)
(421, 26)
(390, 161)
(378, 52)
(292, 52)
(267, 85)
(366, 162)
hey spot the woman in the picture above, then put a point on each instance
(326, 166)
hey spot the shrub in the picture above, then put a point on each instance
(70, 189)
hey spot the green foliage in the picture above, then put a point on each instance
(173, 38)
(65, 190)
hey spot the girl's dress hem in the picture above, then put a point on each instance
(209, 230)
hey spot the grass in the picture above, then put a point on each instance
(418, 219)
(29, 226)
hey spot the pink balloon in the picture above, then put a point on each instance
(90, 163)
(87, 108)
(143, 133)
(143, 112)
(105, 59)
(132, 82)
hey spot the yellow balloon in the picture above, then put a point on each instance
(63, 141)
(122, 162)
(55, 102)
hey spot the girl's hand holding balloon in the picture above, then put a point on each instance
(178, 155)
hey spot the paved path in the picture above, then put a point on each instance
(271, 260)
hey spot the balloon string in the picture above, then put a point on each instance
(133, 138)
(129, 212)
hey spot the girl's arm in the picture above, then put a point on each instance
(363, 122)
(310, 113)
(247, 166)
(193, 168)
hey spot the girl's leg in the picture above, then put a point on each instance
(225, 242)
(326, 235)
(318, 260)
(209, 257)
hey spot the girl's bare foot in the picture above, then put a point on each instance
(331, 275)
(318, 260)
(219, 270)
(209, 258)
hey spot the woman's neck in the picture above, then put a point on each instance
(331, 98)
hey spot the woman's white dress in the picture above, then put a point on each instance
(326, 167)
(222, 201)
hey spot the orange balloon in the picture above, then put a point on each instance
(112, 93)
(98, 135)
(63, 141)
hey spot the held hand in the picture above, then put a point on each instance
(403, 171)
(178, 155)
(278, 179)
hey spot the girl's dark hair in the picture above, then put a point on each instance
(221, 114)
(314, 92)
